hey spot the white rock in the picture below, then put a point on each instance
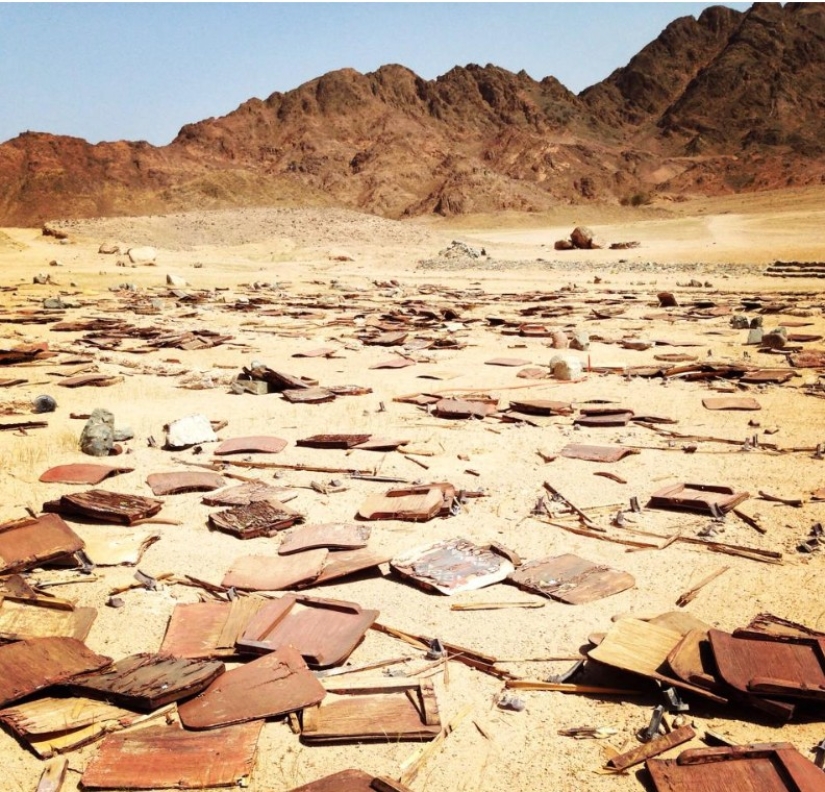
(189, 431)
(142, 255)
(175, 280)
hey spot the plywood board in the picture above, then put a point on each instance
(114, 545)
(593, 453)
(642, 648)
(335, 536)
(340, 563)
(30, 542)
(274, 573)
(255, 444)
(56, 725)
(34, 619)
(453, 566)
(417, 504)
(208, 629)
(85, 473)
(793, 668)
(696, 497)
(168, 757)
(731, 403)
(271, 686)
(772, 767)
(178, 482)
(106, 506)
(148, 681)
(406, 712)
(260, 518)
(37, 663)
(571, 579)
(324, 631)
(244, 494)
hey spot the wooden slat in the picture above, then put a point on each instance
(658, 745)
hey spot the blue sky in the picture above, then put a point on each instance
(139, 71)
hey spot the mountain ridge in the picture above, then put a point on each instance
(729, 101)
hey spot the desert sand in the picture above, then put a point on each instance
(286, 281)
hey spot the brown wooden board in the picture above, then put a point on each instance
(643, 648)
(394, 363)
(333, 440)
(656, 746)
(268, 687)
(768, 624)
(793, 668)
(106, 506)
(208, 629)
(257, 444)
(768, 375)
(147, 681)
(340, 563)
(571, 579)
(187, 481)
(542, 407)
(261, 518)
(84, 473)
(325, 632)
(731, 403)
(28, 543)
(169, 757)
(268, 573)
(22, 619)
(308, 396)
(507, 361)
(38, 663)
(417, 504)
(243, 494)
(696, 497)
(349, 390)
(343, 781)
(691, 660)
(96, 380)
(380, 444)
(773, 767)
(464, 408)
(51, 726)
(115, 545)
(593, 453)
(452, 566)
(375, 712)
(335, 536)
(607, 417)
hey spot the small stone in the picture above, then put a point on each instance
(175, 280)
(755, 335)
(739, 322)
(560, 340)
(580, 341)
(124, 433)
(142, 255)
(582, 237)
(55, 263)
(189, 431)
(44, 404)
(109, 249)
(667, 300)
(775, 339)
(563, 244)
(42, 278)
(97, 438)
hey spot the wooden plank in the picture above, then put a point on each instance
(261, 518)
(195, 630)
(453, 566)
(30, 542)
(168, 757)
(325, 632)
(37, 663)
(148, 681)
(384, 717)
(343, 781)
(274, 573)
(334, 536)
(656, 746)
(270, 686)
(786, 668)
(571, 579)
(36, 619)
(106, 506)
(82, 473)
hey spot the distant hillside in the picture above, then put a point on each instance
(724, 103)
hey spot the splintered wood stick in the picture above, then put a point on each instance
(413, 764)
(691, 593)
(566, 687)
(473, 606)
(53, 776)
(284, 466)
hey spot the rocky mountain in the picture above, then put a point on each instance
(725, 102)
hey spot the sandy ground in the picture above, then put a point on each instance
(321, 276)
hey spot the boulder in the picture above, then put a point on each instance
(563, 244)
(142, 255)
(582, 238)
(109, 249)
(98, 436)
(189, 431)
(667, 300)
